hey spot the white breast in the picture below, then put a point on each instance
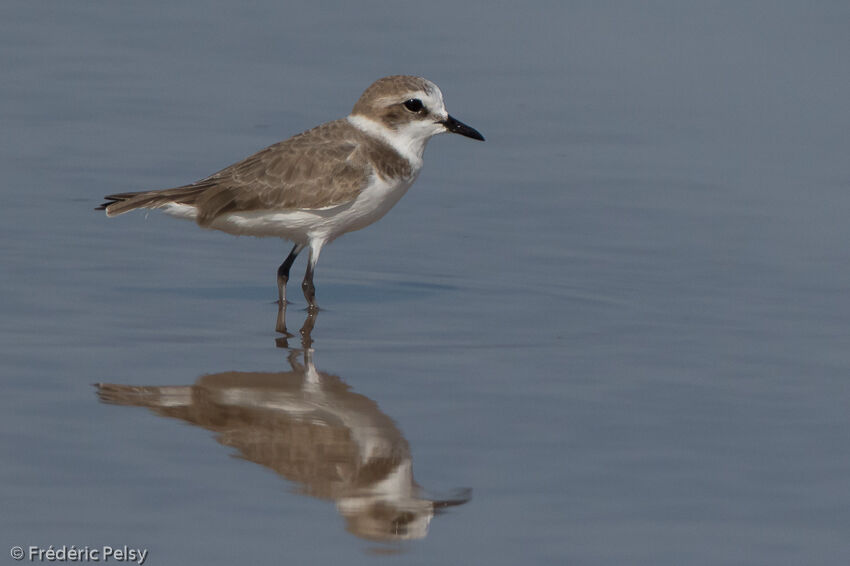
(370, 205)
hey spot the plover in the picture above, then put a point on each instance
(338, 177)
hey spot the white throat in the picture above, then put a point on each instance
(409, 144)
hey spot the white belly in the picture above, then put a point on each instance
(303, 225)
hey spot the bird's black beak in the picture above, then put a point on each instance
(458, 127)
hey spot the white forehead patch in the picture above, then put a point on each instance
(432, 98)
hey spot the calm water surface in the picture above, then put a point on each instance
(615, 333)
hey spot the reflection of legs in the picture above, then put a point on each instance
(305, 332)
(283, 272)
(307, 286)
(280, 325)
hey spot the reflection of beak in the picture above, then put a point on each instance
(458, 127)
(460, 497)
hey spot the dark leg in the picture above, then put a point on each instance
(309, 289)
(307, 285)
(283, 273)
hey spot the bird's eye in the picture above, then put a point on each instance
(414, 104)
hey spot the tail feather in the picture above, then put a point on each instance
(120, 203)
(144, 396)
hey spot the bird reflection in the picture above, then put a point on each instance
(309, 427)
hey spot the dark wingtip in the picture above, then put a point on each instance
(110, 199)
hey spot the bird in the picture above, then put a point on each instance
(335, 178)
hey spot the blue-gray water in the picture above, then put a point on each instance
(623, 321)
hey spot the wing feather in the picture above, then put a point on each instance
(321, 167)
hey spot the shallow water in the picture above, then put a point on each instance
(616, 332)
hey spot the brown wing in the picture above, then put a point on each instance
(318, 168)
(315, 169)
